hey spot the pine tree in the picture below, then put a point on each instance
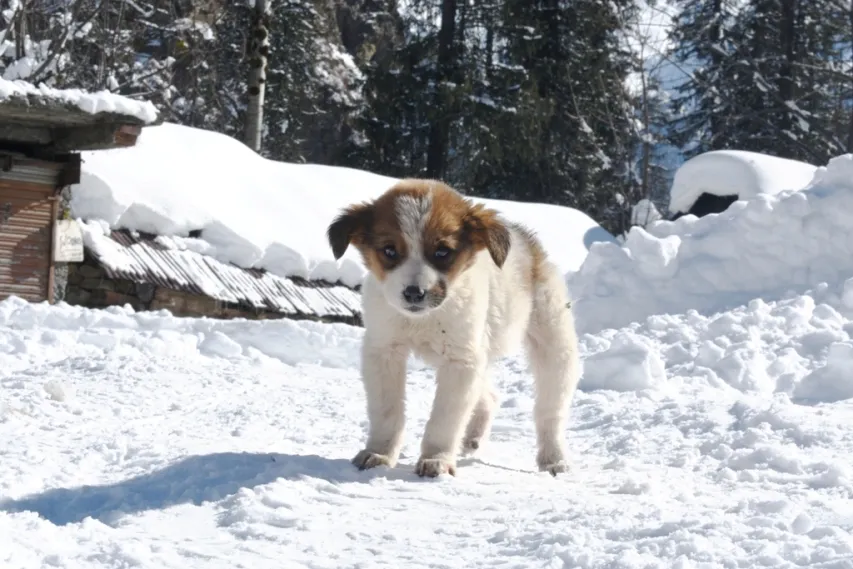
(786, 42)
(575, 95)
(704, 102)
(760, 82)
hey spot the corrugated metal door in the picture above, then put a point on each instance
(27, 211)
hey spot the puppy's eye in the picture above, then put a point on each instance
(390, 252)
(442, 252)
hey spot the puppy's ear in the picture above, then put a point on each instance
(488, 231)
(350, 226)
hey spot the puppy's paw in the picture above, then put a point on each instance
(432, 467)
(470, 445)
(368, 459)
(555, 468)
(552, 462)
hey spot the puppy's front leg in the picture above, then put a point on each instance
(457, 390)
(383, 371)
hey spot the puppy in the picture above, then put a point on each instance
(453, 283)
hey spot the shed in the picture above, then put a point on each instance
(42, 131)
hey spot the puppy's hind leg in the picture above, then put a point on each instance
(480, 424)
(384, 376)
(553, 353)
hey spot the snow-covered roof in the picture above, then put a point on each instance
(735, 172)
(160, 261)
(21, 92)
(259, 213)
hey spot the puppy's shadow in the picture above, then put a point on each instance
(191, 480)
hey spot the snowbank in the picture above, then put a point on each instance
(259, 213)
(765, 247)
(92, 103)
(735, 172)
(160, 335)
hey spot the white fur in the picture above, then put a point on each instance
(412, 213)
(489, 312)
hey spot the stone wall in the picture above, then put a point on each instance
(88, 285)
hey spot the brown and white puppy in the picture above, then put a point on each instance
(453, 283)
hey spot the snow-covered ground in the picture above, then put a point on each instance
(143, 440)
(259, 213)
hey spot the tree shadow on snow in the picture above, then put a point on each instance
(596, 235)
(192, 480)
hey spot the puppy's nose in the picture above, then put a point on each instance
(414, 293)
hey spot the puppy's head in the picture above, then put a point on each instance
(417, 239)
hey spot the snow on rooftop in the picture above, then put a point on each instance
(765, 247)
(259, 213)
(92, 103)
(735, 172)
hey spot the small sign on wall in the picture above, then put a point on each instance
(67, 242)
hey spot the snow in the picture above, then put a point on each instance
(259, 213)
(92, 103)
(767, 246)
(735, 172)
(145, 440)
(644, 212)
(713, 427)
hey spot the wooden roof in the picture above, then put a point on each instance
(145, 258)
(53, 125)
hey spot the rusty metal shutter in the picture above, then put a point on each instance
(26, 227)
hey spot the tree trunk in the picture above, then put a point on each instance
(645, 190)
(850, 124)
(21, 32)
(439, 134)
(715, 36)
(788, 30)
(259, 46)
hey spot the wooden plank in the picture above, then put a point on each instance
(26, 226)
(51, 275)
(23, 265)
(25, 189)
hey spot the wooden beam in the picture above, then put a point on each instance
(25, 134)
(94, 137)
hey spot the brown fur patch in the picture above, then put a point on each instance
(350, 226)
(371, 228)
(454, 222)
(489, 232)
(538, 256)
(459, 224)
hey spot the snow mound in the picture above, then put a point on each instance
(628, 364)
(92, 103)
(768, 246)
(159, 334)
(735, 172)
(799, 348)
(644, 212)
(259, 213)
(833, 381)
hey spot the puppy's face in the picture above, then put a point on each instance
(417, 239)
